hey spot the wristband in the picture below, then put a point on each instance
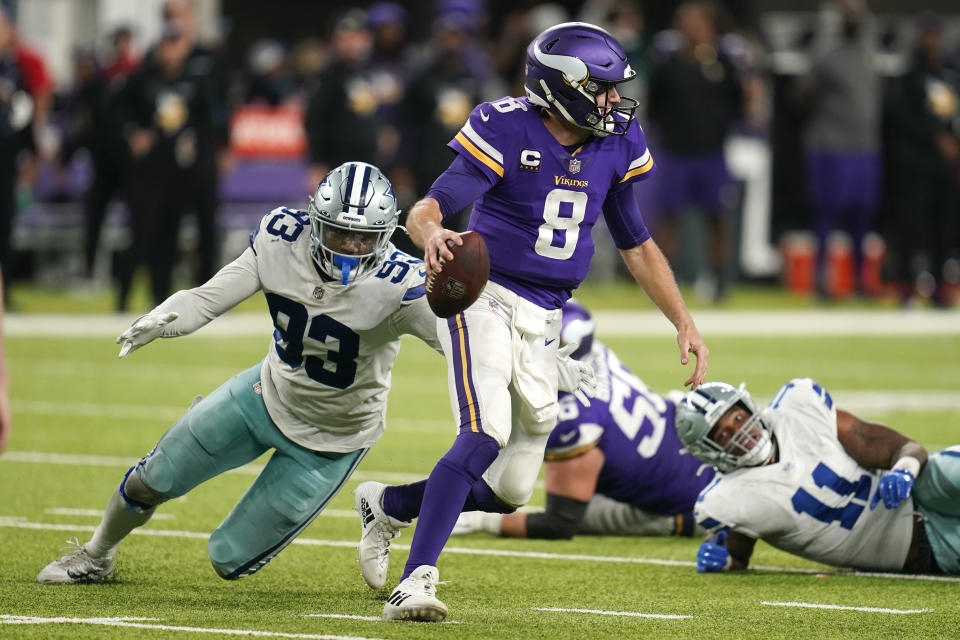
(908, 464)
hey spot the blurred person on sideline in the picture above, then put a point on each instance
(392, 63)
(341, 114)
(123, 57)
(612, 467)
(695, 96)
(843, 102)
(924, 113)
(168, 115)
(89, 115)
(269, 82)
(204, 70)
(26, 95)
(456, 74)
(814, 480)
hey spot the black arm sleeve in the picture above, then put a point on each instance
(560, 521)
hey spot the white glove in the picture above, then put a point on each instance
(145, 329)
(476, 521)
(576, 377)
(467, 523)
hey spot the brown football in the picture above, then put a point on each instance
(462, 279)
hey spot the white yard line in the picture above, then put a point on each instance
(15, 522)
(344, 616)
(862, 400)
(795, 322)
(170, 414)
(130, 623)
(96, 513)
(85, 460)
(631, 614)
(839, 607)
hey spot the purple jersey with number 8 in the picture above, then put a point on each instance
(538, 216)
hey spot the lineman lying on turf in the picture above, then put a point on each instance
(613, 467)
(818, 482)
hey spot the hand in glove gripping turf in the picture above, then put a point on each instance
(576, 377)
(894, 487)
(145, 329)
(712, 556)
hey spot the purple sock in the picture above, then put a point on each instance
(403, 502)
(482, 498)
(445, 493)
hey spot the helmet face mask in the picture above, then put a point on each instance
(697, 418)
(353, 213)
(571, 69)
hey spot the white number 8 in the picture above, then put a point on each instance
(554, 222)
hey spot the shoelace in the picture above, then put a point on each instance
(72, 546)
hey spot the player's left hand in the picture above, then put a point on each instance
(576, 377)
(146, 328)
(713, 557)
(689, 340)
(893, 487)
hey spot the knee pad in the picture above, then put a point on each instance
(222, 555)
(137, 494)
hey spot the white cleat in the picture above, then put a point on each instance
(377, 529)
(415, 598)
(76, 567)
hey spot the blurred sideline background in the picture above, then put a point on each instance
(238, 107)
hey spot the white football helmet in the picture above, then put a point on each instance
(697, 415)
(352, 215)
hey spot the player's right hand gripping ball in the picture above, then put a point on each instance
(461, 280)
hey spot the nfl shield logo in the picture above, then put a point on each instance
(318, 293)
(574, 166)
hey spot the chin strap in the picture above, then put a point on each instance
(345, 265)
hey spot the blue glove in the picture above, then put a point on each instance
(893, 487)
(713, 555)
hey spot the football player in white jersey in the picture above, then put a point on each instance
(818, 482)
(340, 296)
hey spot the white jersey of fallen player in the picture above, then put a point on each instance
(815, 500)
(327, 372)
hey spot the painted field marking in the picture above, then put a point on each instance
(132, 623)
(632, 614)
(96, 513)
(798, 322)
(86, 460)
(16, 522)
(345, 616)
(839, 607)
(169, 414)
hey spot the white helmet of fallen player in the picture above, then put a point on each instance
(352, 215)
(696, 420)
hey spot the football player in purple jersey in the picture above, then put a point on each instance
(613, 467)
(539, 170)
